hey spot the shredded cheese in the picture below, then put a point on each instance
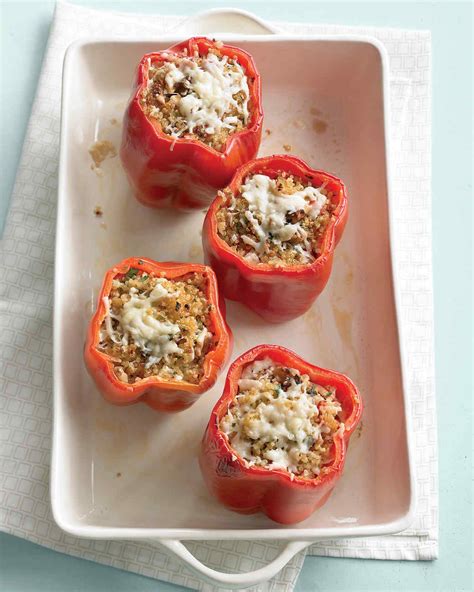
(210, 86)
(280, 425)
(155, 338)
(268, 212)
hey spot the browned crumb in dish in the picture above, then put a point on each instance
(279, 222)
(204, 98)
(279, 419)
(101, 150)
(157, 327)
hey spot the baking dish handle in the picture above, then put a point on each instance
(236, 581)
(220, 21)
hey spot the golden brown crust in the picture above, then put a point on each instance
(186, 306)
(232, 224)
(275, 381)
(162, 105)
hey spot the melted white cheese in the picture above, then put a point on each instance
(155, 338)
(287, 421)
(203, 335)
(211, 88)
(272, 208)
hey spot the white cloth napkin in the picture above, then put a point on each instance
(26, 311)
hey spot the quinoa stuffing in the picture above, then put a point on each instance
(279, 222)
(279, 419)
(204, 98)
(157, 327)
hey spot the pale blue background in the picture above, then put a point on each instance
(25, 26)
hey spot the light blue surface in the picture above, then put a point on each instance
(25, 25)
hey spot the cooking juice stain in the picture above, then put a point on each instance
(320, 126)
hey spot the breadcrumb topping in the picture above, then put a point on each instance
(157, 327)
(199, 97)
(279, 222)
(279, 419)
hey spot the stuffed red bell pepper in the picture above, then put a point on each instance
(159, 334)
(270, 235)
(195, 115)
(276, 441)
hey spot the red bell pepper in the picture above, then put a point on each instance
(283, 497)
(185, 173)
(157, 393)
(275, 293)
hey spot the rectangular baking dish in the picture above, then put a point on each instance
(132, 473)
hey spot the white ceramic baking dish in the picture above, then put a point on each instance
(131, 473)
